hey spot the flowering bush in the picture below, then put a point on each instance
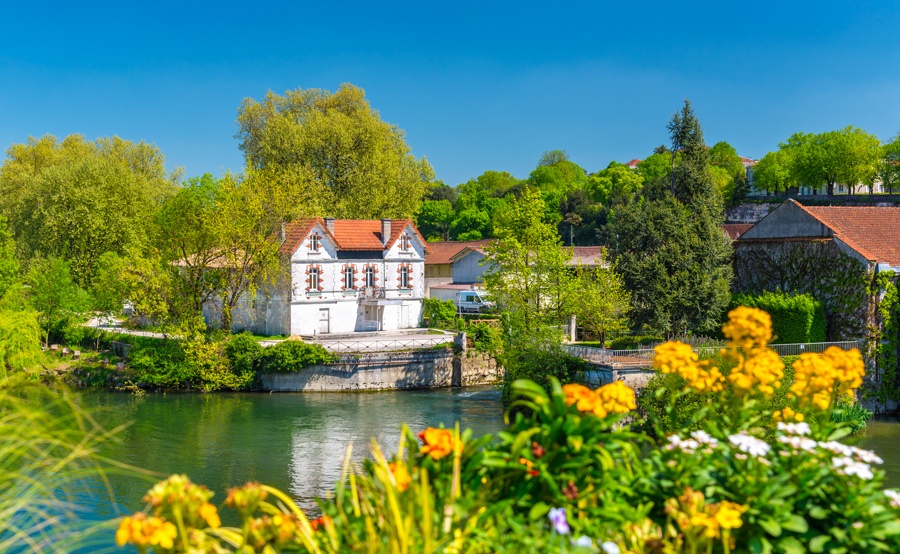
(568, 474)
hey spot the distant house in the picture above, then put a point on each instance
(468, 269)
(832, 252)
(633, 164)
(735, 230)
(439, 260)
(342, 276)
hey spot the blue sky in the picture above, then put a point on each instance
(475, 85)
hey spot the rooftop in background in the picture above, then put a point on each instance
(442, 252)
(587, 256)
(871, 233)
(735, 230)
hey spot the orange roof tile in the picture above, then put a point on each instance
(349, 234)
(587, 256)
(442, 252)
(735, 230)
(872, 231)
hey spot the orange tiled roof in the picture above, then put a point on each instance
(586, 256)
(349, 234)
(872, 231)
(735, 230)
(442, 252)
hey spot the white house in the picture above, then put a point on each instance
(342, 276)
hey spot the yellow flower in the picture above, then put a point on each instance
(728, 514)
(401, 476)
(210, 515)
(438, 442)
(787, 415)
(583, 397)
(679, 358)
(748, 328)
(709, 526)
(820, 378)
(141, 530)
(616, 397)
(762, 370)
(246, 499)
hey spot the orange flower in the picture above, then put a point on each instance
(438, 442)
(401, 476)
(319, 522)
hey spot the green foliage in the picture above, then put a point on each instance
(20, 336)
(162, 363)
(603, 302)
(886, 339)
(434, 218)
(528, 275)
(616, 180)
(50, 448)
(328, 149)
(629, 342)
(849, 156)
(540, 362)
(245, 353)
(439, 313)
(291, 356)
(214, 369)
(773, 173)
(9, 265)
(76, 199)
(486, 337)
(54, 295)
(798, 318)
(669, 247)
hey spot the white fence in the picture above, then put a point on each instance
(393, 345)
(642, 357)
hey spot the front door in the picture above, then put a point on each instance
(324, 321)
(404, 317)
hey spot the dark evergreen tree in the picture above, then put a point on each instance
(669, 246)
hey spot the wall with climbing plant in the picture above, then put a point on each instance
(816, 267)
(884, 340)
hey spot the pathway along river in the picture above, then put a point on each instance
(297, 442)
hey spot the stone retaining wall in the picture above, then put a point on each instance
(424, 369)
(634, 378)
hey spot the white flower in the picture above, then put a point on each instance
(799, 443)
(837, 448)
(867, 456)
(704, 438)
(801, 428)
(849, 466)
(685, 445)
(583, 541)
(894, 497)
(857, 525)
(748, 444)
(610, 547)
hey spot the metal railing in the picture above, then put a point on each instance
(394, 345)
(642, 357)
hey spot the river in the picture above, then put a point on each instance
(297, 441)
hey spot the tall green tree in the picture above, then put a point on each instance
(774, 172)
(55, 295)
(617, 179)
(9, 265)
(889, 166)
(669, 247)
(728, 172)
(76, 199)
(434, 218)
(848, 156)
(340, 158)
(603, 303)
(527, 272)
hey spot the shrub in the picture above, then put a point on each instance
(631, 342)
(439, 313)
(795, 319)
(244, 353)
(162, 363)
(541, 364)
(293, 355)
(213, 367)
(486, 338)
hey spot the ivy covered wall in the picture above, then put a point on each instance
(816, 267)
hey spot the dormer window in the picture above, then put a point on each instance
(315, 243)
(404, 242)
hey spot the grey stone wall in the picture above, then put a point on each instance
(749, 212)
(424, 369)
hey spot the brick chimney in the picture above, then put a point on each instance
(329, 224)
(385, 231)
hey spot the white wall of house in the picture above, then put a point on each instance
(468, 269)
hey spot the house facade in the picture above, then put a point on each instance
(439, 260)
(342, 276)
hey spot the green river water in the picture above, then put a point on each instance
(297, 442)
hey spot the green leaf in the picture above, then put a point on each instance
(795, 523)
(817, 544)
(818, 512)
(575, 442)
(771, 527)
(538, 511)
(760, 545)
(790, 545)
(839, 433)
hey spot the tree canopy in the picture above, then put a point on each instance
(334, 152)
(77, 199)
